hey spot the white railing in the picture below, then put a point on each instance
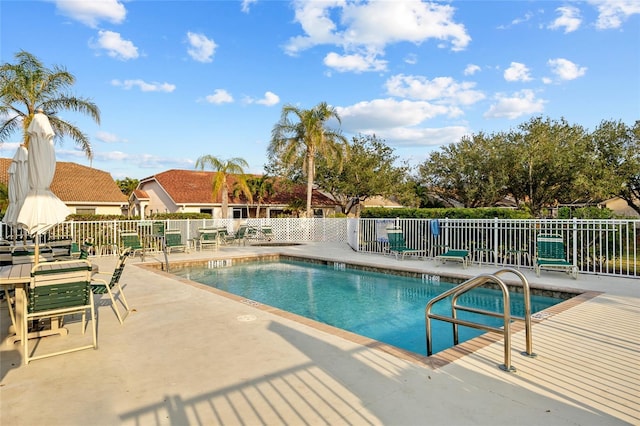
(607, 247)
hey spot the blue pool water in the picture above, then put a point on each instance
(387, 308)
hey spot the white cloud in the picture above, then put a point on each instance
(269, 99)
(220, 96)
(411, 59)
(115, 46)
(441, 89)
(106, 137)
(202, 48)
(246, 5)
(388, 113)
(420, 136)
(471, 69)
(611, 13)
(400, 123)
(92, 12)
(565, 69)
(356, 63)
(569, 19)
(517, 72)
(517, 21)
(364, 29)
(520, 103)
(144, 86)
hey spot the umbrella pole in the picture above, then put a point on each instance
(37, 250)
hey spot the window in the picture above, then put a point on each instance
(85, 210)
(239, 213)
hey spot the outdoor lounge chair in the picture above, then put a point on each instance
(208, 238)
(457, 255)
(55, 292)
(173, 240)
(398, 246)
(100, 286)
(551, 254)
(240, 235)
(131, 240)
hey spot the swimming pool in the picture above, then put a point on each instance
(387, 308)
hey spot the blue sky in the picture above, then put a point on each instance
(176, 80)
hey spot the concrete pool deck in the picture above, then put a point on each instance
(189, 356)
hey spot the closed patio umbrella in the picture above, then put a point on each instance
(18, 187)
(41, 208)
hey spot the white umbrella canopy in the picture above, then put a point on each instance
(41, 208)
(18, 186)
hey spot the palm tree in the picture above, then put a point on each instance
(223, 168)
(261, 187)
(27, 86)
(307, 137)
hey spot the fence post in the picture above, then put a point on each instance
(575, 243)
(496, 246)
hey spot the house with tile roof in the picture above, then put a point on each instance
(190, 191)
(83, 189)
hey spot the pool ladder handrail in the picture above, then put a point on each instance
(475, 282)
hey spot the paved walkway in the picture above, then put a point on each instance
(187, 355)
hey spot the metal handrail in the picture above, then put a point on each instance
(470, 284)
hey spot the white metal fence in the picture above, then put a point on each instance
(607, 247)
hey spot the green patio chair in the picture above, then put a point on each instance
(55, 292)
(457, 255)
(552, 255)
(398, 246)
(131, 240)
(208, 238)
(173, 240)
(240, 235)
(267, 233)
(101, 286)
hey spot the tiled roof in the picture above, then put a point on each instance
(140, 194)
(194, 187)
(76, 183)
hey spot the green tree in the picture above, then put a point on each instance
(616, 169)
(305, 137)
(127, 185)
(544, 159)
(223, 168)
(369, 172)
(261, 187)
(469, 172)
(4, 199)
(27, 86)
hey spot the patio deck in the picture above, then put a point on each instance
(187, 355)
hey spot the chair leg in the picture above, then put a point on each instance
(113, 305)
(113, 302)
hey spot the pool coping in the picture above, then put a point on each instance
(435, 361)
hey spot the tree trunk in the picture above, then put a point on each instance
(310, 176)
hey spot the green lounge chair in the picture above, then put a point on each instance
(208, 238)
(241, 234)
(173, 240)
(131, 240)
(56, 292)
(551, 254)
(398, 246)
(100, 286)
(457, 255)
